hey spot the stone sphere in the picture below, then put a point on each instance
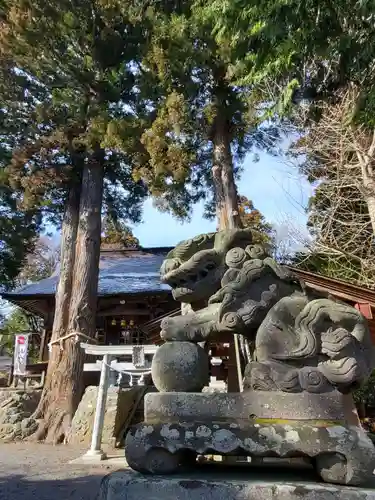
(180, 367)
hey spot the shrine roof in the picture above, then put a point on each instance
(338, 288)
(120, 272)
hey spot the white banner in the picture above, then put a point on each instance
(21, 347)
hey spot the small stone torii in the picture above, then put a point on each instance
(136, 369)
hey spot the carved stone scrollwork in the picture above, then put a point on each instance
(313, 380)
(329, 343)
(236, 258)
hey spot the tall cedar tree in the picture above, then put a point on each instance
(71, 64)
(205, 122)
(321, 51)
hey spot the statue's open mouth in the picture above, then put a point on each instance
(196, 279)
(181, 292)
(196, 290)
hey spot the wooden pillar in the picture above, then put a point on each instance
(152, 308)
(233, 384)
(46, 335)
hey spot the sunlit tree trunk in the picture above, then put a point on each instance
(222, 172)
(76, 301)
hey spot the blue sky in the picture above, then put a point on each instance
(276, 189)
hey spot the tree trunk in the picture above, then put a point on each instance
(67, 253)
(63, 387)
(227, 212)
(370, 200)
(368, 179)
(62, 300)
(223, 177)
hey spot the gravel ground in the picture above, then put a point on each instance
(30, 471)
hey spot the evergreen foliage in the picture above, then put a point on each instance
(319, 46)
(66, 79)
(18, 232)
(117, 234)
(263, 232)
(315, 53)
(204, 118)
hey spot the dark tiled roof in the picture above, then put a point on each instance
(120, 273)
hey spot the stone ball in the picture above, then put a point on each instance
(180, 367)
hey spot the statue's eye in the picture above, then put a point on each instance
(210, 266)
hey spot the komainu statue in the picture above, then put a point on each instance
(310, 353)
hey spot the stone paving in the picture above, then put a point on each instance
(30, 471)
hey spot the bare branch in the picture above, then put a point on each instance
(338, 158)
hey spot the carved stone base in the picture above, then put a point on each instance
(320, 427)
(342, 455)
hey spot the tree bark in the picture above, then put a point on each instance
(222, 172)
(62, 301)
(370, 200)
(67, 258)
(368, 190)
(75, 311)
(227, 211)
(366, 163)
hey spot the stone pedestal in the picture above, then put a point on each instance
(276, 485)
(234, 407)
(180, 426)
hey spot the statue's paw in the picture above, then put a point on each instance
(288, 381)
(257, 377)
(167, 336)
(180, 329)
(173, 329)
(344, 373)
(334, 342)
